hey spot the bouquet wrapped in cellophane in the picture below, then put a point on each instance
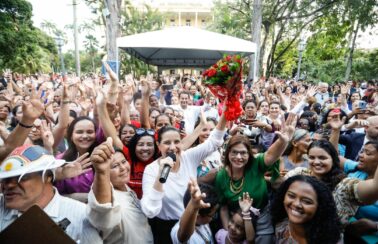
(224, 81)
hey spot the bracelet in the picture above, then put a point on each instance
(247, 218)
(25, 126)
(246, 213)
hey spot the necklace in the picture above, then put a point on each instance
(236, 189)
(207, 240)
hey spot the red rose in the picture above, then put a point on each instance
(211, 72)
(228, 58)
(215, 66)
(225, 68)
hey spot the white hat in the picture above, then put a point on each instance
(28, 159)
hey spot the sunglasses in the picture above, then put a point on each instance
(141, 131)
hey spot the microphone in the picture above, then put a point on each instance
(166, 169)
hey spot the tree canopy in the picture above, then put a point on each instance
(23, 47)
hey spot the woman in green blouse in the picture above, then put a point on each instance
(243, 172)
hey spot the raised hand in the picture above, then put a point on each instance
(101, 99)
(31, 110)
(344, 89)
(311, 91)
(245, 202)
(203, 120)
(196, 195)
(287, 127)
(112, 75)
(336, 123)
(146, 88)
(78, 167)
(102, 155)
(47, 135)
(165, 161)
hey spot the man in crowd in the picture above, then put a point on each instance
(27, 176)
(322, 96)
(354, 141)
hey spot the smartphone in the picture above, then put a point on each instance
(182, 125)
(167, 87)
(362, 104)
(248, 121)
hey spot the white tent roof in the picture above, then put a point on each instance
(183, 47)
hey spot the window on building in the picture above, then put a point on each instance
(188, 22)
(173, 22)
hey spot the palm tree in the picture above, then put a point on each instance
(91, 45)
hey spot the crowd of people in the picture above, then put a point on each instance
(154, 160)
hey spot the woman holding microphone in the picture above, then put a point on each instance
(163, 202)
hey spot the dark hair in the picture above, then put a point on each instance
(373, 143)
(184, 92)
(349, 98)
(283, 107)
(72, 114)
(14, 120)
(123, 126)
(277, 103)
(166, 108)
(335, 175)
(309, 116)
(71, 153)
(263, 101)
(324, 227)
(211, 197)
(153, 109)
(248, 101)
(208, 119)
(342, 115)
(236, 140)
(162, 115)
(164, 129)
(133, 143)
(324, 132)
(137, 96)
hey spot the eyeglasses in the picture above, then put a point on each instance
(141, 131)
(234, 153)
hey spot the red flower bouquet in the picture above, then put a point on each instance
(224, 81)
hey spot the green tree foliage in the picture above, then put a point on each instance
(331, 25)
(23, 48)
(135, 21)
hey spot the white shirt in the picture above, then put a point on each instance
(120, 221)
(196, 237)
(210, 112)
(191, 114)
(322, 97)
(168, 205)
(59, 208)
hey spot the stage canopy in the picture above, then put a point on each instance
(183, 47)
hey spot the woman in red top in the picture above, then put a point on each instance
(140, 151)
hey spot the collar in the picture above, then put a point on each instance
(366, 140)
(52, 209)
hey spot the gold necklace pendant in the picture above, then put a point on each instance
(236, 189)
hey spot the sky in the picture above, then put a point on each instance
(60, 12)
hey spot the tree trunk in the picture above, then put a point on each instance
(93, 63)
(263, 46)
(351, 51)
(112, 27)
(254, 68)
